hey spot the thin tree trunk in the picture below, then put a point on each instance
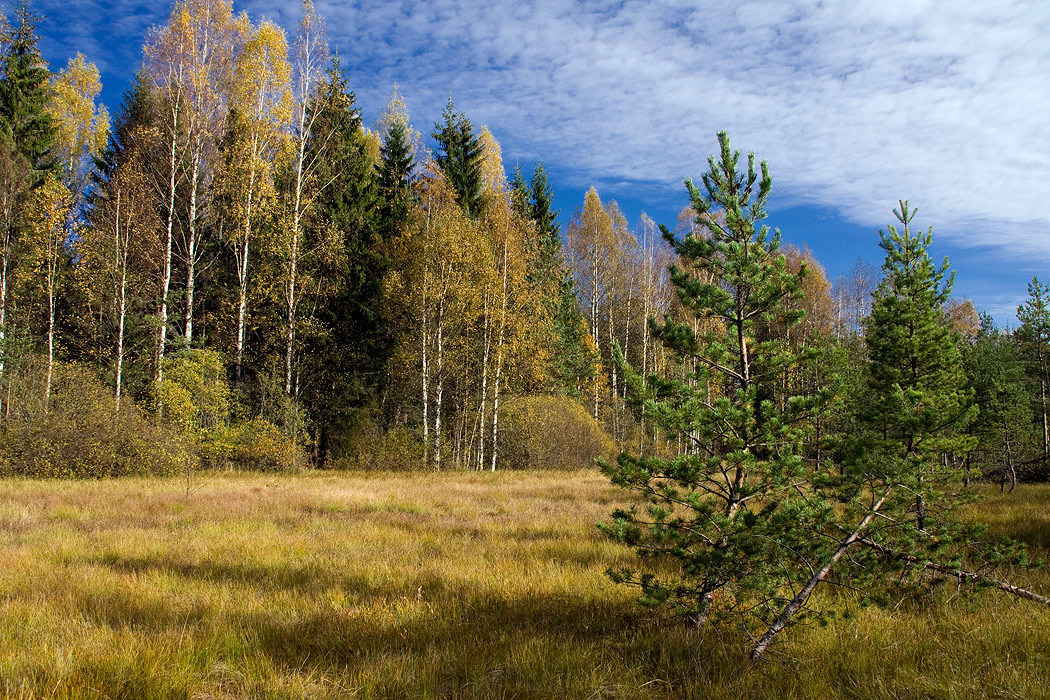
(594, 310)
(4, 264)
(796, 603)
(242, 267)
(162, 337)
(52, 275)
(960, 573)
(291, 304)
(1042, 398)
(484, 384)
(120, 249)
(440, 381)
(191, 250)
(499, 361)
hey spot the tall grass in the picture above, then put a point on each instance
(427, 586)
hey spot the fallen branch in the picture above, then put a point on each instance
(958, 573)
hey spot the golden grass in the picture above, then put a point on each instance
(430, 586)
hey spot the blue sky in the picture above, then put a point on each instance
(854, 105)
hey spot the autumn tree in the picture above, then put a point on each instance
(261, 105)
(298, 180)
(190, 61)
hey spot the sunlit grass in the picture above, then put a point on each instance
(441, 585)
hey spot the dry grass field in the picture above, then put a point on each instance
(432, 586)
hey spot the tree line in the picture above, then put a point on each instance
(236, 269)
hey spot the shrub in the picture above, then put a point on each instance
(254, 444)
(193, 396)
(80, 432)
(551, 432)
(369, 447)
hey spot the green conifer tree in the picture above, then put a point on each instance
(1003, 427)
(24, 96)
(459, 157)
(893, 503)
(344, 357)
(717, 511)
(393, 182)
(1034, 336)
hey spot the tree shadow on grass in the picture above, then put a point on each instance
(443, 638)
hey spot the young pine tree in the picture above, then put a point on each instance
(718, 511)
(1034, 337)
(893, 504)
(1003, 427)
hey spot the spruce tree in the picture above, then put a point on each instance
(393, 182)
(24, 96)
(520, 195)
(715, 515)
(459, 157)
(1034, 336)
(344, 357)
(543, 212)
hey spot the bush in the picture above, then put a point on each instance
(369, 447)
(254, 444)
(80, 432)
(551, 432)
(193, 396)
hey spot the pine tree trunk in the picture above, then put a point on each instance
(1042, 398)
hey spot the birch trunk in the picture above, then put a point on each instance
(242, 265)
(162, 335)
(440, 382)
(121, 263)
(484, 384)
(191, 251)
(594, 309)
(499, 360)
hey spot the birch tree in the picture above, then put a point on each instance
(262, 102)
(190, 60)
(306, 152)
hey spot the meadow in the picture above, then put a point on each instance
(440, 585)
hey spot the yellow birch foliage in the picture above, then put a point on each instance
(82, 126)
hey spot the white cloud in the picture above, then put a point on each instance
(854, 104)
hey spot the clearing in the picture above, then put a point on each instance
(458, 585)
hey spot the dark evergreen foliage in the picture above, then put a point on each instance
(24, 95)
(345, 356)
(459, 157)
